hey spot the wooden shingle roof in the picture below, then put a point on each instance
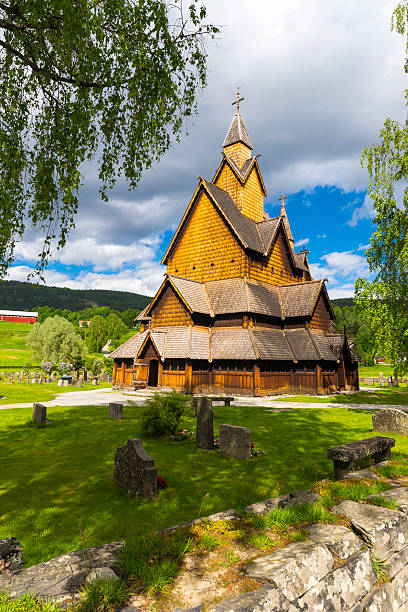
(237, 132)
(298, 300)
(131, 347)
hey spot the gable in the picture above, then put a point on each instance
(169, 310)
(320, 318)
(277, 268)
(205, 247)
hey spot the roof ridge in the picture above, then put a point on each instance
(253, 342)
(190, 280)
(237, 132)
(290, 348)
(246, 292)
(283, 312)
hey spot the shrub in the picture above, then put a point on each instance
(163, 412)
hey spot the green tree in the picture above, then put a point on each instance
(384, 301)
(97, 334)
(115, 326)
(55, 340)
(117, 78)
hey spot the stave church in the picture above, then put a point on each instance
(238, 310)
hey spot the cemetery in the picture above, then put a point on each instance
(92, 476)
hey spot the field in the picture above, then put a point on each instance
(375, 370)
(19, 393)
(379, 395)
(57, 492)
(13, 350)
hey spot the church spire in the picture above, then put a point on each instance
(237, 131)
(283, 214)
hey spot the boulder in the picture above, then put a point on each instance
(398, 494)
(264, 598)
(339, 540)
(384, 531)
(294, 569)
(101, 573)
(391, 419)
(342, 588)
(11, 560)
(299, 497)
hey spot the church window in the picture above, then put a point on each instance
(212, 265)
(176, 270)
(193, 267)
(272, 270)
(232, 260)
(281, 273)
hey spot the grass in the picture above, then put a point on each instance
(300, 514)
(13, 349)
(335, 492)
(20, 393)
(56, 488)
(383, 395)
(375, 370)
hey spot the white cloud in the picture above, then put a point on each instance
(341, 270)
(321, 236)
(302, 242)
(363, 247)
(365, 211)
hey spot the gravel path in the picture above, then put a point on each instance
(102, 397)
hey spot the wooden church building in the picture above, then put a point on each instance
(238, 310)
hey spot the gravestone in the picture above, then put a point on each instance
(79, 382)
(10, 556)
(115, 411)
(39, 414)
(205, 428)
(60, 382)
(134, 469)
(65, 382)
(391, 419)
(235, 441)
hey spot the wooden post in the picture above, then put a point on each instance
(257, 379)
(292, 380)
(319, 380)
(115, 367)
(159, 374)
(188, 376)
(122, 373)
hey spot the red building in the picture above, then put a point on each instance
(18, 316)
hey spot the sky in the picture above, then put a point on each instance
(319, 79)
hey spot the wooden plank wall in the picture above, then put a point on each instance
(238, 152)
(206, 240)
(252, 200)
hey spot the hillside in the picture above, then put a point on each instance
(342, 302)
(16, 295)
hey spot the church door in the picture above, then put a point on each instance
(153, 372)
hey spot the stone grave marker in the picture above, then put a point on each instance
(134, 469)
(391, 419)
(60, 382)
(235, 441)
(39, 414)
(115, 411)
(205, 428)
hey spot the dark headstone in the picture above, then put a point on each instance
(134, 469)
(205, 428)
(39, 414)
(235, 441)
(10, 556)
(115, 411)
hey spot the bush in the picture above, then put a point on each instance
(163, 412)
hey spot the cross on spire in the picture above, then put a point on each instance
(238, 100)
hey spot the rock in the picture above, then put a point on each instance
(134, 469)
(235, 441)
(198, 608)
(397, 561)
(264, 598)
(300, 497)
(391, 419)
(380, 599)
(101, 573)
(361, 475)
(400, 589)
(345, 456)
(342, 588)
(115, 411)
(294, 569)
(384, 531)
(339, 540)
(39, 414)
(11, 560)
(62, 577)
(398, 494)
(225, 515)
(264, 507)
(205, 428)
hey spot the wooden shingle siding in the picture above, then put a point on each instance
(277, 268)
(228, 181)
(252, 199)
(170, 310)
(321, 316)
(206, 240)
(238, 152)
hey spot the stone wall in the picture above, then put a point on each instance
(335, 569)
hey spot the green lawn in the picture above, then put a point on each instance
(57, 492)
(13, 350)
(375, 370)
(379, 395)
(19, 393)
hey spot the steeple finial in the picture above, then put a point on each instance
(282, 197)
(238, 100)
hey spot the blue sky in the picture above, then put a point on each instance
(319, 79)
